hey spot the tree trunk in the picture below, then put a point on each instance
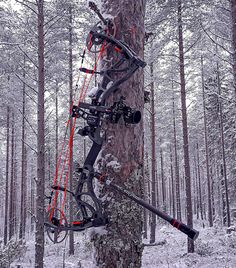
(213, 183)
(233, 15)
(7, 178)
(206, 151)
(39, 236)
(154, 184)
(224, 166)
(23, 166)
(122, 246)
(163, 183)
(196, 185)
(172, 184)
(146, 178)
(148, 190)
(57, 129)
(32, 199)
(185, 127)
(15, 185)
(12, 197)
(176, 163)
(199, 182)
(71, 234)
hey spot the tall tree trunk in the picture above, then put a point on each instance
(224, 166)
(39, 237)
(71, 234)
(57, 129)
(149, 181)
(176, 163)
(196, 186)
(213, 183)
(32, 199)
(219, 200)
(185, 127)
(26, 198)
(154, 184)
(194, 192)
(206, 151)
(172, 184)
(163, 182)
(145, 195)
(15, 185)
(23, 166)
(7, 178)
(11, 201)
(199, 182)
(122, 245)
(233, 15)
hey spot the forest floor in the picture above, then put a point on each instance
(213, 249)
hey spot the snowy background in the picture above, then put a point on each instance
(214, 248)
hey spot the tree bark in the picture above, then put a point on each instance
(23, 166)
(39, 236)
(224, 166)
(32, 199)
(148, 181)
(146, 178)
(172, 184)
(15, 185)
(176, 163)
(233, 16)
(71, 234)
(210, 219)
(12, 197)
(7, 178)
(185, 127)
(122, 246)
(57, 129)
(154, 184)
(196, 185)
(199, 182)
(163, 183)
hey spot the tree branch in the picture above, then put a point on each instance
(10, 44)
(193, 44)
(31, 98)
(24, 4)
(28, 57)
(25, 83)
(49, 27)
(29, 146)
(214, 40)
(28, 123)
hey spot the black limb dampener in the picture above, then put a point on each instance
(190, 232)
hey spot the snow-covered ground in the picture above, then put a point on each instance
(213, 249)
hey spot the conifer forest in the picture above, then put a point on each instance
(118, 133)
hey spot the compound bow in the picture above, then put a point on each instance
(90, 211)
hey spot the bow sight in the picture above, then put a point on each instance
(111, 114)
(119, 109)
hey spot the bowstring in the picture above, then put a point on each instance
(55, 181)
(82, 97)
(67, 159)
